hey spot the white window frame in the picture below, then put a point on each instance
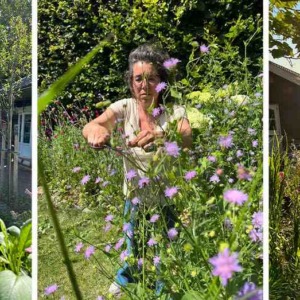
(277, 132)
(21, 117)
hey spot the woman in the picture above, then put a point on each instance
(146, 76)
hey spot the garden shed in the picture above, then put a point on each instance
(15, 158)
(284, 108)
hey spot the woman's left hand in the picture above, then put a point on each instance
(143, 139)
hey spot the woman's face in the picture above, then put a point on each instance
(144, 82)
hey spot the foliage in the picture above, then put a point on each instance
(15, 262)
(68, 30)
(206, 223)
(284, 28)
(15, 49)
(284, 223)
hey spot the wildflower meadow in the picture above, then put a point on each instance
(213, 250)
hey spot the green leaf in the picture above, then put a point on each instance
(13, 287)
(3, 260)
(13, 230)
(192, 295)
(25, 237)
(175, 94)
(59, 85)
(1, 238)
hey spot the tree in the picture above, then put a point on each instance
(284, 28)
(15, 61)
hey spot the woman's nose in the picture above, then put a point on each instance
(144, 83)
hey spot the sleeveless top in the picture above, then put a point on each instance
(126, 110)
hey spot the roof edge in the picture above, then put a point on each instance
(284, 72)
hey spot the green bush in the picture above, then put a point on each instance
(70, 29)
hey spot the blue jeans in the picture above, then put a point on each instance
(125, 273)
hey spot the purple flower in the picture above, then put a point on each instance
(119, 244)
(107, 226)
(124, 254)
(107, 248)
(228, 224)
(171, 63)
(225, 141)
(89, 252)
(140, 262)
(109, 218)
(161, 86)
(112, 172)
(257, 219)
(214, 178)
(254, 143)
(250, 291)
(256, 235)
(235, 196)
(154, 218)
(156, 261)
(143, 182)
(78, 247)
(243, 174)
(251, 131)
(239, 153)
(135, 201)
(157, 111)
(212, 158)
(50, 289)
(172, 233)
(224, 265)
(126, 227)
(230, 180)
(151, 242)
(100, 298)
(98, 179)
(257, 95)
(170, 192)
(190, 175)
(105, 183)
(76, 169)
(131, 174)
(204, 48)
(172, 149)
(85, 179)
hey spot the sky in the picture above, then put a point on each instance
(293, 65)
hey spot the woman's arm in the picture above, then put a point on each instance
(97, 132)
(185, 130)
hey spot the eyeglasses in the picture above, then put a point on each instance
(151, 79)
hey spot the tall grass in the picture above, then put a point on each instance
(284, 222)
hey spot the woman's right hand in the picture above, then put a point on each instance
(96, 135)
(97, 132)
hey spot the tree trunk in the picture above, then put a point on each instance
(16, 163)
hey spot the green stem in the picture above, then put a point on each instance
(59, 234)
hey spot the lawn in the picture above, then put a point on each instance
(51, 269)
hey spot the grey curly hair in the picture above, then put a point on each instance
(150, 53)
